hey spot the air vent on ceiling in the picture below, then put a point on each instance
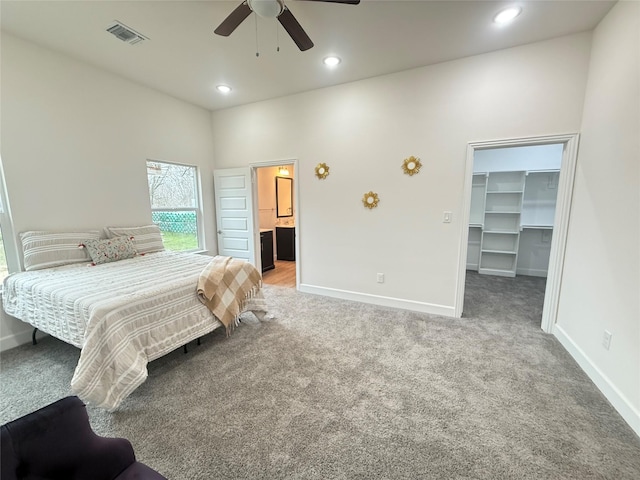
(126, 34)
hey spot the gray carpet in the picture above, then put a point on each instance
(332, 389)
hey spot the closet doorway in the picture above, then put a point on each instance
(517, 199)
(275, 188)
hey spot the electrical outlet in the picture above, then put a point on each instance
(380, 277)
(606, 339)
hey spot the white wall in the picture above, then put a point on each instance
(601, 278)
(364, 130)
(75, 141)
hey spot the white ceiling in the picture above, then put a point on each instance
(185, 59)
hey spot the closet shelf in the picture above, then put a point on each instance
(495, 271)
(502, 232)
(537, 227)
(528, 172)
(506, 252)
(512, 192)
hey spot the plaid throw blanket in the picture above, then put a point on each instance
(226, 285)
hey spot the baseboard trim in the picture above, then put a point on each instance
(624, 407)
(433, 309)
(15, 340)
(532, 272)
(13, 332)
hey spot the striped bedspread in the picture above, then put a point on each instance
(122, 315)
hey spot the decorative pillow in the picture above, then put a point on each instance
(42, 249)
(147, 239)
(110, 249)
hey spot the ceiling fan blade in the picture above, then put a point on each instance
(295, 31)
(236, 17)
(348, 2)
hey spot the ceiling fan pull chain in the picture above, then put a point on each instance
(257, 48)
(277, 38)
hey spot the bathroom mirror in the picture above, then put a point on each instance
(284, 197)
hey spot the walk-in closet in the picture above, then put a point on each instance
(513, 205)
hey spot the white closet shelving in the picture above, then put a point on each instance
(476, 219)
(539, 202)
(501, 230)
(507, 207)
(538, 213)
(478, 188)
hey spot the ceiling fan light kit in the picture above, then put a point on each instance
(266, 8)
(272, 9)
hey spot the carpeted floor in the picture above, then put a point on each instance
(332, 389)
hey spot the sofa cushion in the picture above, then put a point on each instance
(139, 471)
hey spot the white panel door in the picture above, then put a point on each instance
(234, 213)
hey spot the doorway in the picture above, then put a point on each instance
(498, 208)
(275, 217)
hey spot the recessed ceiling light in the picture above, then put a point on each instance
(331, 61)
(223, 88)
(507, 15)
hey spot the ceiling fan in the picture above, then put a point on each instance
(272, 9)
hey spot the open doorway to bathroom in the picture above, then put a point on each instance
(276, 214)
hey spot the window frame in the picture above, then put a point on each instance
(11, 251)
(197, 199)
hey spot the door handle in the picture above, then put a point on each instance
(219, 232)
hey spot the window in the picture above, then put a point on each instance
(175, 205)
(8, 257)
(4, 270)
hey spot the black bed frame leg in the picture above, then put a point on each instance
(184, 347)
(33, 337)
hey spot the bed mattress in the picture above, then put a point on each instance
(121, 314)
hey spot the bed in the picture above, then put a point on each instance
(121, 314)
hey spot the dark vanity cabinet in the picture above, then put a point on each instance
(286, 243)
(266, 249)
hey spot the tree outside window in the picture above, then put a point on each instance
(175, 206)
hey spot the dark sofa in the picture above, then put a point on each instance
(57, 443)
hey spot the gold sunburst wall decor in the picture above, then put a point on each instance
(370, 200)
(411, 165)
(322, 170)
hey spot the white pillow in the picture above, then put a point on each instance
(147, 238)
(42, 249)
